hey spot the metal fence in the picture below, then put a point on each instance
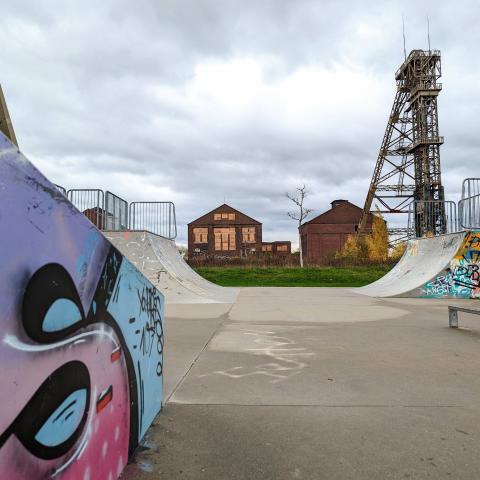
(156, 217)
(469, 212)
(116, 212)
(470, 187)
(62, 189)
(432, 217)
(90, 202)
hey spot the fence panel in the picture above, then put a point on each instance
(469, 212)
(62, 189)
(156, 217)
(90, 202)
(470, 187)
(116, 212)
(432, 217)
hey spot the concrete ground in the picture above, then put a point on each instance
(316, 383)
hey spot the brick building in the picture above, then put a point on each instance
(327, 233)
(228, 232)
(277, 248)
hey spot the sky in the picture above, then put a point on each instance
(200, 102)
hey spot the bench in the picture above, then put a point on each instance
(453, 314)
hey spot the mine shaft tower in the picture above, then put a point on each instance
(408, 164)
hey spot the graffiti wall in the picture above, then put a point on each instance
(81, 337)
(462, 278)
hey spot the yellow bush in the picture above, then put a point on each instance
(398, 250)
(377, 241)
(373, 246)
(350, 248)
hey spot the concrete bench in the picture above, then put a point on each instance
(453, 314)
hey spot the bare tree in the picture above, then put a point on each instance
(300, 214)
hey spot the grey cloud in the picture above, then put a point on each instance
(103, 94)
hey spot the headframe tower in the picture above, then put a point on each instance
(408, 163)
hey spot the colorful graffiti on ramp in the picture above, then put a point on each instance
(461, 278)
(81, 334)
(446, 266)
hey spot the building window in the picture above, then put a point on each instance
(266, 248)
(224, 216)
(201, 235)
(282, 248)
(248, 234)
(224, 239)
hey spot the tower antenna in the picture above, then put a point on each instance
(428, 34)
(404, 43)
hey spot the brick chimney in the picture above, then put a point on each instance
(338, 202)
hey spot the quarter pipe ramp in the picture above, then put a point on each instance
(444, 266)
(159, 260)
(81, 334)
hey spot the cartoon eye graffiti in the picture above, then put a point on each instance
(51, 305)
(62, 314)
(64, 420)
(54, 418)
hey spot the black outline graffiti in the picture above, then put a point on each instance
(152, 332)
(49, 396)
(48, 284)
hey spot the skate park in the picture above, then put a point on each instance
(120, 360)
(260, 382)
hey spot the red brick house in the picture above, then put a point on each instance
(224, 232)
(327, 233)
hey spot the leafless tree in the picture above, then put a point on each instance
(300, 214)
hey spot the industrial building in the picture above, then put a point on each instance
(227, 232)
(277, 248)
(326, 234)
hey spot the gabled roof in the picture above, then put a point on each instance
(224, 208)
(345, 208)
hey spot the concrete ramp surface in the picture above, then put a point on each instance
(160, 261)
(81, 334)
(443, 266)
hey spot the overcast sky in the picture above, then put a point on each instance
(200, 101)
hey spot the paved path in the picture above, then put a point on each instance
(316, 384)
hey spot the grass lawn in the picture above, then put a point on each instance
(293, 277)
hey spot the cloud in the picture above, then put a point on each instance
(201, 101)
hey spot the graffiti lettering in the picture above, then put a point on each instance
(152, 331)
(78, 395)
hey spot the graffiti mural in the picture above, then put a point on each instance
(462, 278)
(81, 335)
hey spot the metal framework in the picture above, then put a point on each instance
(116, 212)
(91, 202)
(408, 163)
(469, 205)
(430, 210)
(6, 126)
(470, 187)
(156, 217)
(108, 211)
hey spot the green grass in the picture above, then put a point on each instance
(292, 276)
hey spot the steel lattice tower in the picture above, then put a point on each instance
(408, 164)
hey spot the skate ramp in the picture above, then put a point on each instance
(81, 337)
(160, 261)
(440, 267)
